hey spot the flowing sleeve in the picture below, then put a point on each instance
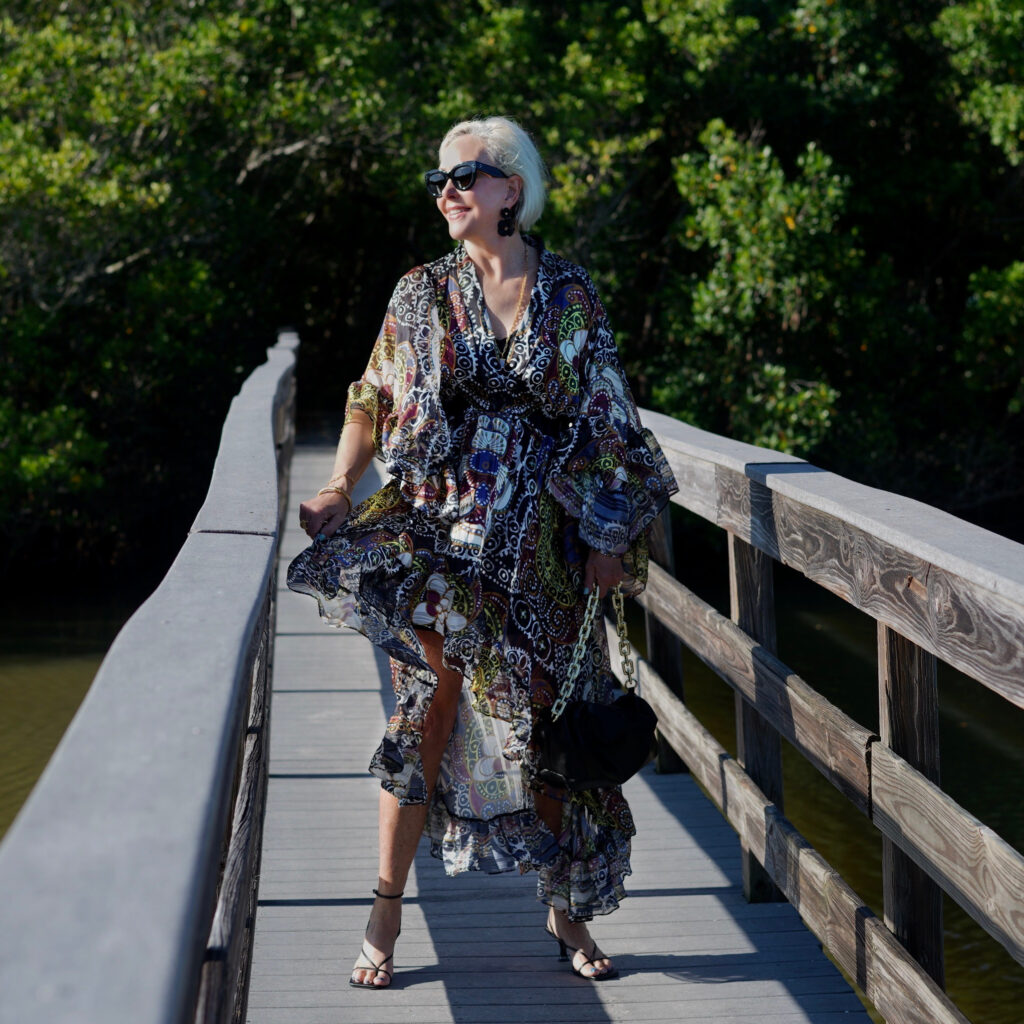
(400, 393)
(611, 474)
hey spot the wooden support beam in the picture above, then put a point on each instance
(832, 741)
(664, 650)
(759, 749)
(966, 615)
(224, 985)
(908, 717)
(974, 865)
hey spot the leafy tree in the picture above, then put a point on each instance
(155, 155)
(985, 43)
(774, 280)
(806, 220)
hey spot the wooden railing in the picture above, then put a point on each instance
(938, 588)
(129, 876)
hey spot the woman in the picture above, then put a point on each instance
(521, 478)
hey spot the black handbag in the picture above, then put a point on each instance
(585, 745)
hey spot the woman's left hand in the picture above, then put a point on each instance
(604, 571)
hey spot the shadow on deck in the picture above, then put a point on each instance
(472, 950)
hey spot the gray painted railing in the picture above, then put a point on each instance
(128, 876)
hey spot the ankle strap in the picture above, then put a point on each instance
(385, 896)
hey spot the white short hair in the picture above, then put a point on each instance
(513, 151)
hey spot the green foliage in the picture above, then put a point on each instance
(787, 415)
(154, 155)
(700, 32)
(992, 351)
(770, 287)
(987, 43)
(47, 461)
(805, 218)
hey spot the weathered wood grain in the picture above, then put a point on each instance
(827, 737)
(758, 746)
(992, 562)
(243, 496)
(284, 432)
(888, 968)
(224, 983)
(696, 480)
(908, 715)
(977, 868)
(664, 649)
(745, 508)
(975, 629)
(896, 984)
(225, 974)
(685, 442)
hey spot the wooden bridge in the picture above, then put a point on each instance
(133, 884)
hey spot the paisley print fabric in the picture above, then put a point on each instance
(504, 472)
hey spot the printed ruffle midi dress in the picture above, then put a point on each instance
(504, 471)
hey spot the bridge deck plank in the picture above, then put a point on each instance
(687, 944)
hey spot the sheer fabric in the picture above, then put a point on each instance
(505, 471)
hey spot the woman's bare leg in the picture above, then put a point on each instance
(400, 828)
(572, 933)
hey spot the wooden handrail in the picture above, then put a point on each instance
(124, 873)
(952, 588)
(938, 588)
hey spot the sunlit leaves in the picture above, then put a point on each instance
(787, 415)
(770, 236)
(771, 289)
(987, 43)
(845, 56)
(787, 206)
(700, 32)
(46, 459)
(992, 353)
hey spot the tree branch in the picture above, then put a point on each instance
(257, 160)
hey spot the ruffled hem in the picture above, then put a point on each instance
(510, 842)
(581, 873)
(387, 585)
(586, 886)
(483, 818)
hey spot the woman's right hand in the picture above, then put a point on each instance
(324, 513)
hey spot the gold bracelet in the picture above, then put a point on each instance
(336, 490)
(341, 476)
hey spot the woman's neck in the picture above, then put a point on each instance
(498, 260)
(506, 280)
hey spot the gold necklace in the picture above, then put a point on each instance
(519, 302)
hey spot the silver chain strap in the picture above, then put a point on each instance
(580, 650)
(625, 653)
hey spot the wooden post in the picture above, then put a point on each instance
(908, 716)
(758, 747)
(664, 650)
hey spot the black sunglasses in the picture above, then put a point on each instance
(463, 177)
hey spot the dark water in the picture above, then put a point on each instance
(49, 654)
(833, 647)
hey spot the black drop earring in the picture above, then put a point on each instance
(507, 222)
